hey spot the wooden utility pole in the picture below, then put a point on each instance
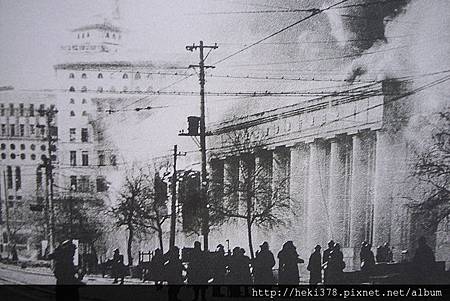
(173, 211)
(203, 180)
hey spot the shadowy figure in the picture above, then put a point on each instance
(14, 256)
(263, 264)
(336, 265)
(197, 272)
(423, 263)
(389, 253)
(174, 272)
(326, 259)
(239, 266)
(367, 259)
(117, 266)
(315, 266)
(219, 269)
(157, 267)
(288, 272)
(65, 271)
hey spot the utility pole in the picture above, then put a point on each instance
(203, 179)
(8, 229)
(173, 213)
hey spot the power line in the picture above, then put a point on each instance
(313, 13)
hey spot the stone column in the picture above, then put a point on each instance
(337, 190)
(384, 164)
(216, 179)
(298, 191)
(230, 180)
(359, 195)
(280, 169)
(317, 220)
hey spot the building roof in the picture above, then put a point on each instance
(103, 65)
(101, 26)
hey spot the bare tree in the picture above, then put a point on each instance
(432, 170)
(138, 210)
(254, 197)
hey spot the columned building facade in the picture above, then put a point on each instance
(343, 164)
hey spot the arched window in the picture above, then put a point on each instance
(71, 75)
(84, 101)
(100, 75)
(107, 34)
(72, 101)
(82, 35)
(83, 75)
(125, 76)
(78, 36)
(114, 36)
(84, 113)
(137, 75)
(72, 89)
(100, 89)
(72, 113)
(87, 35)
(84, 89)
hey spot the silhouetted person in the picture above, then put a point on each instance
(239, 266)
(288, 264)
(197, 272)
(65, 271)
(263, 264)
(336, 265)
(14, 256)
(174, 272)
(367, 258)
(423, 263)
(219, 269)
(325, 260)
(388, 253)
(116, 265)
(157, 267)
(315, 266)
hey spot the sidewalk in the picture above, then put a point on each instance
(89, 279)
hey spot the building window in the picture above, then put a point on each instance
(100, 75)
(22, 156)
(84, 183)
(84, 158)
(2, 109)
(18, 178)
(22, 130)
(84, 101)
(101, 184)
(42, 130)
(72, 89)
(12, 146)
(3, 146)
(114, 36)
(33, 157)
(21, 110)
(101, 158)
(43, 148)
(9, 177)
(72, 101)
(82, 35)
(73, 158)
(84, 89)
(84, 135)
(11, 109)
(31, 110)
(32, 130)
(125, 76)
(12, 129)
(87, 35)
(84, 113)
(137, 75)
(72, 134)
(107, 35)
(73, 183)
(3, 129)
(42, 110)
(71, 75)
(100, 136)
(113, 160)
(83, 75)
(72, 113)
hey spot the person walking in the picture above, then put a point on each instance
(174, 273)
(157, 267)
(423, 263)
(263, 264)
(336, 265)
(197, 272)
(288, 264)
(116, 265)
(315, 266)
(326, 259)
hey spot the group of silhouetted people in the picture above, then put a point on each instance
(332, 263)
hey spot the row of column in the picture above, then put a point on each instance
(330, 185)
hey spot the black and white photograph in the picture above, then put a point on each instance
(224, 149)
